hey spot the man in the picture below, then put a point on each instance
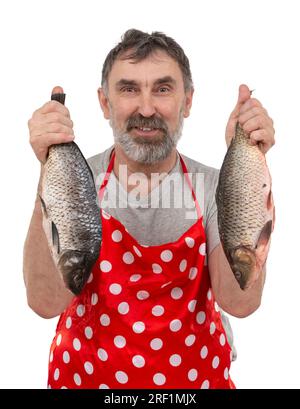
(148, 316)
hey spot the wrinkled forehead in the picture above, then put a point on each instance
(157, 64)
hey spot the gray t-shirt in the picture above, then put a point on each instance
(168, 211)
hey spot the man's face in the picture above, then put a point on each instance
(146, 104)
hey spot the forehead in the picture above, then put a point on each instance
(158, 64)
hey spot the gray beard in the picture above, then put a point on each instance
(146, 150)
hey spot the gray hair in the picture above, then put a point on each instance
(142, 45)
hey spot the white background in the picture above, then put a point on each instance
(61, 42)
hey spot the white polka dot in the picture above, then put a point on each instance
(156, 344)
(135, 277)
(190, 242)
(123, 308)
(102, 354)
(209, 294)
(175, 360)
(56, 374)
(159, 379)
(68, 322)
(192, 305)
(76, 344)
(222, 339)
(189, 340)
(137, 251)
(58, 339)
(128, 257)
(205, 384)
(88, 332)
(63, 387)
(80, 310)
(182, 265)
(192, 374)
(105, 266)
(103, 386)
(166, 255)
(176, 293)
(158, 310)
(200, 318)
(119, 341)
(175, 325)
(94, 299)
(142, 295)
(89, 369)
(217, 308)
(121, 377)
(202, 249)
(105, 320)
(90, 278)
(193, 273)
(212, 328)
(156, 268)
(51, 356)
(204, 352)
(138, 361)
(66, 357)
(116, 236)
(226, 373)
(77, 379)
(138, 327)
(115, 288)
(215, 362)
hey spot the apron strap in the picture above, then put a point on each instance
(184, 169)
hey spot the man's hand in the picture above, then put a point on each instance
(51, 124)
(254, 119)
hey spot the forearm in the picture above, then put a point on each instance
(46, 293)
(228, 294)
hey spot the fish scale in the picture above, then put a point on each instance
(71, 215)
(245, 206)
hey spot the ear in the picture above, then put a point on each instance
(188, 102)
(104, 103)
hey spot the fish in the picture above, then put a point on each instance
(245, 208)
(71, 214)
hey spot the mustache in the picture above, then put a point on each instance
(139, 121)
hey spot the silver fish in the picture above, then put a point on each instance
(71, 215)
(246, 212)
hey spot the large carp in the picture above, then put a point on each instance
(71, 215)
(246, 212)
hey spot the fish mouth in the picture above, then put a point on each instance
(243, 265)
(75, 267)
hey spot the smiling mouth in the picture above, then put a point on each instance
(145, 131)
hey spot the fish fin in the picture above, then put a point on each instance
(44, 207)
(270, 202)
(55, 237)
(265, 234)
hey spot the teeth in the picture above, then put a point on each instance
(146, 129)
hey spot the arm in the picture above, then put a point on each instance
(46, 293)
(226, 289)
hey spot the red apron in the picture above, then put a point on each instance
(146, 318)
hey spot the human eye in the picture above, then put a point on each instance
(164, 89)
(128, 89)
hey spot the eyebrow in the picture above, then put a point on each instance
(126, 82)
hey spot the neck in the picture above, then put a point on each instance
(162, 167)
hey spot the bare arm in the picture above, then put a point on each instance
(46, 293)
(226, 289)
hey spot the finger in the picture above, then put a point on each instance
(257, 122)
(244, 94)
(56, 117)
(43, 129)
(250, 103)
(263, 137)
(251, 113)
(54, 106)
(50, 139)
(57, 90)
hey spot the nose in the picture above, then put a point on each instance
(146, 105)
